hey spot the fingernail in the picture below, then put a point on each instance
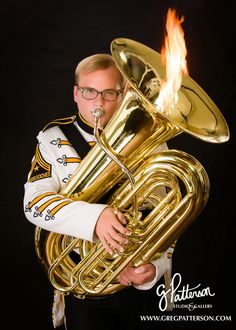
(121, 249)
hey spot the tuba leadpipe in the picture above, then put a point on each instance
(132, 135)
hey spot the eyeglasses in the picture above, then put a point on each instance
(91, 93)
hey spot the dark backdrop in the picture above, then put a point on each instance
(41, 43)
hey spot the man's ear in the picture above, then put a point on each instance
(75, 93)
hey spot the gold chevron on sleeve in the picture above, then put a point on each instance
(49, 202)
(57, 208)
(40, 168)
(60, 206)
(39, 198)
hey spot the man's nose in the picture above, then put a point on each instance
(99, 100)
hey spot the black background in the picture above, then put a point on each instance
(41, 44)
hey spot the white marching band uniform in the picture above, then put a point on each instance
(54, 163)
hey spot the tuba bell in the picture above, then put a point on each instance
(126, 148)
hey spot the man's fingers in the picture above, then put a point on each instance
(120, 216)
(106, 245)
(116, 241)
(111, 230)
(121, 229)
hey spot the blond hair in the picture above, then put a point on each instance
(96, 62)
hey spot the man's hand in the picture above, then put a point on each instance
(111, 231)
(137, 275)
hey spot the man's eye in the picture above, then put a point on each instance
(89, 91)
(110, 92)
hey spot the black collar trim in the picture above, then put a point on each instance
(84, 124)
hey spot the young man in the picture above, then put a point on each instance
(98, 84)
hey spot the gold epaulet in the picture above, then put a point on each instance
(60, 121)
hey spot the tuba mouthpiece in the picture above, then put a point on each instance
(98, 112)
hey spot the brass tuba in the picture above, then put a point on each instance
(126, 147)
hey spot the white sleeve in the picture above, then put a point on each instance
(163, 265)
(44, 206)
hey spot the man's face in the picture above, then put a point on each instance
(100, 80)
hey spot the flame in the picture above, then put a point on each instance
(173, 55)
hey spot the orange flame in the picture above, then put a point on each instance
(173, 54)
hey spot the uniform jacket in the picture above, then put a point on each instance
(53, 164)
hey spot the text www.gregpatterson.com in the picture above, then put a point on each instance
(184, 318)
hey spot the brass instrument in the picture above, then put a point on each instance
(126, 147)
